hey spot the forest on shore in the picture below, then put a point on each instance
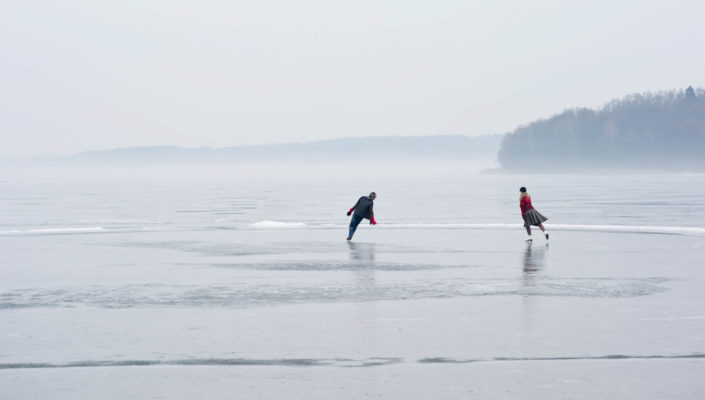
(662, 130)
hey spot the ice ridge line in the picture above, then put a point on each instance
(337, 362)
(673, 230)
(441, 360)
(71, 231)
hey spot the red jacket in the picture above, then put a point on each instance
(525, 204)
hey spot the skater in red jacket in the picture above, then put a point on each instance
(529, 214)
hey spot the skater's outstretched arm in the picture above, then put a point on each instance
(354, 207)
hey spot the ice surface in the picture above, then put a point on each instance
(181, 296)
(48, 231)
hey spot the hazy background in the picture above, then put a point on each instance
(84, 75)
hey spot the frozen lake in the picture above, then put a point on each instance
(219, 286)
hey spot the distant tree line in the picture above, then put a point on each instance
(664, 130)
(378, 150)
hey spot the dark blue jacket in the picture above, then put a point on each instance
(364, 207)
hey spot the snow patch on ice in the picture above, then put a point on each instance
(680, 230)
(677, 230)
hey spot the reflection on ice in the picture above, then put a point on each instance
(533, 266)
(533, 259)
(362, 252)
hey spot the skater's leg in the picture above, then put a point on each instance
(544, 230)
(354, 222)
(528, 229)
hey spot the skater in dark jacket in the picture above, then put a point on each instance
(529, 214)
(362, 209)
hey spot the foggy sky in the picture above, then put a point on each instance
(83, 75)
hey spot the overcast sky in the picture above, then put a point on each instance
(98, 74)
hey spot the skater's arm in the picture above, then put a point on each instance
(372, 215)
(354, 207)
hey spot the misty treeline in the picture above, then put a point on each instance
(378, 150)
(663, 130)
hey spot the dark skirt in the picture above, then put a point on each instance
(533, 217)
